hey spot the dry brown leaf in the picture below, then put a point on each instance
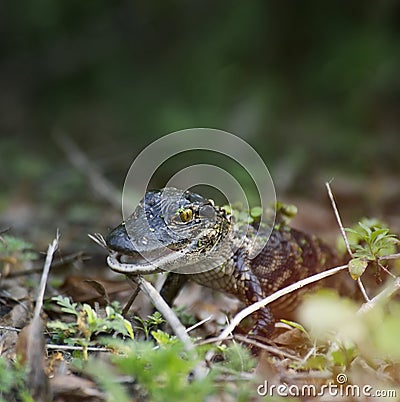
(75, 388)
(81, 288)
(30, 350)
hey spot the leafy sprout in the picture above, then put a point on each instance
(88, 323)
(14, 251)
(369, 241)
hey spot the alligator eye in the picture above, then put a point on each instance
(186, 214)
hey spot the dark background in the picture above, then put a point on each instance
(313, 86)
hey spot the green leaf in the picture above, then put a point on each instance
(317, 362)
(67, 306)
(342, 356)
(295, 325)
(350, 230)
(155, 319)
(256, 212)
(378, 234)
(366, 228)
(61, 326)
(91, 315)
(357, 266)
(129, 329)
(162, 338)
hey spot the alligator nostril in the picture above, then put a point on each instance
(119, 240)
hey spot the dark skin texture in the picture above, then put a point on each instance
(182, 231)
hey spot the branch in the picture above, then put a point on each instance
(81, 162)
(380, 297)
(339, 221)
(389, 257)
(282, 292)
(161, 305)
(49, 258)
(30, 345)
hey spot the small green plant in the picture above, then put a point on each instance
(284, 213)
(237, 358)
(13, 251)
(151, 322)
(164, 373)
(12, 382)
(279, 214)
(87, 324)
(186, 318)
(369, 241)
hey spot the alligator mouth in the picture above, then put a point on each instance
(137, 264)
(136, 258)
(133, 258)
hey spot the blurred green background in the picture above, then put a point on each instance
(313, 86)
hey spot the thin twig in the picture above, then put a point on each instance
(81, 162)
(128, 305)
(5, 328)
(214, 339)
(282, 292)
(59, 263)
(200, 370)
(339, 221)
(384, 295)
(346, 241)
(31, 343)
(98, 239)
(363, 291)
(68, 347)
(383, 268)
(47, 264)
(198, 324)
(271, 349)
(389, 257)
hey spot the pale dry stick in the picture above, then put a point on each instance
(214, 339)
(271, 298)
(81, 162)
(341, 227)
(80, 348)
(245, 339)
(128, 305)
(307, 375)
(98, 239)
(390, 257)
(43, 281)
(200, 371)
(226, 376)
(338, 219)
(5, 328)
(161, 305)
(31, 344)
(268, 348)
(380, 297)
(65, 260)
(199, 324)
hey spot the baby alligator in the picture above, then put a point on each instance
(187, 235)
